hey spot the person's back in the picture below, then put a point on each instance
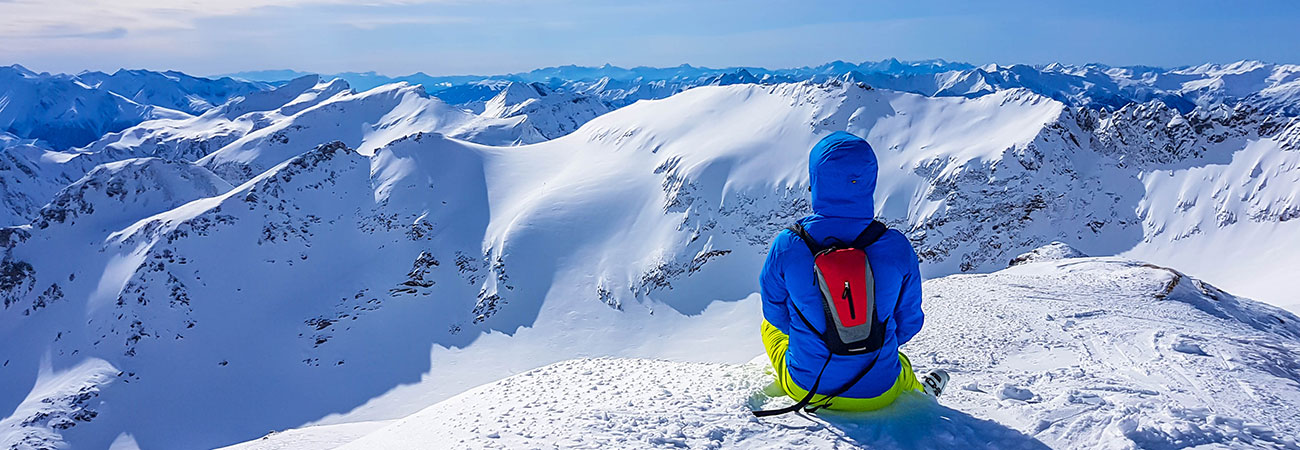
(842, 170)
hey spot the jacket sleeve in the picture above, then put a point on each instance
(908, 316)
(772, 288)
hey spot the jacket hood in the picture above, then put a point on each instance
(842, 173)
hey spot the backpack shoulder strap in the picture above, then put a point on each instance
(813, 245)
(807, 398)
(869, 236)
(827, 400)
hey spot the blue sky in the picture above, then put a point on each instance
(443, 37)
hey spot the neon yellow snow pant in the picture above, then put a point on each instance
(776, 344)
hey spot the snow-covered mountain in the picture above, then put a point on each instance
(117, 194)
(368, 278)
(30, 175)
(371, 119)
(71, 110)
(171, 89)
(547, 114)
(254, 131)
(61, 110)
(192, 138)
(250, 134)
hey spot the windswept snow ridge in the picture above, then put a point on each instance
(1080, 352)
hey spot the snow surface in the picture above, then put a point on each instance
(312, 437)
(634, 403)
(1068, 353)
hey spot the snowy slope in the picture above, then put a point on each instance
(1272, 85)
(635, 404)
(461, 89)
(7, 140)
(622, 92)
(31, 173)
(1066, 353)
(465, 262)
(1242, 210)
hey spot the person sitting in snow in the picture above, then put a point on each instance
(841, 293)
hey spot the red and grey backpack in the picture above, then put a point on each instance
(848, 289)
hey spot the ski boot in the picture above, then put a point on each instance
(934, 382)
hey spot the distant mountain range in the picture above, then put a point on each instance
(67, 111)
(366, 80)
(1272, 86)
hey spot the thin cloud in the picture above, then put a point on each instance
(108, 33)
(370, 23)
(45, 19)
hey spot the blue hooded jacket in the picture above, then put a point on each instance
(842, 172)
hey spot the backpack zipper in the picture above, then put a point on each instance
(848, 295)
